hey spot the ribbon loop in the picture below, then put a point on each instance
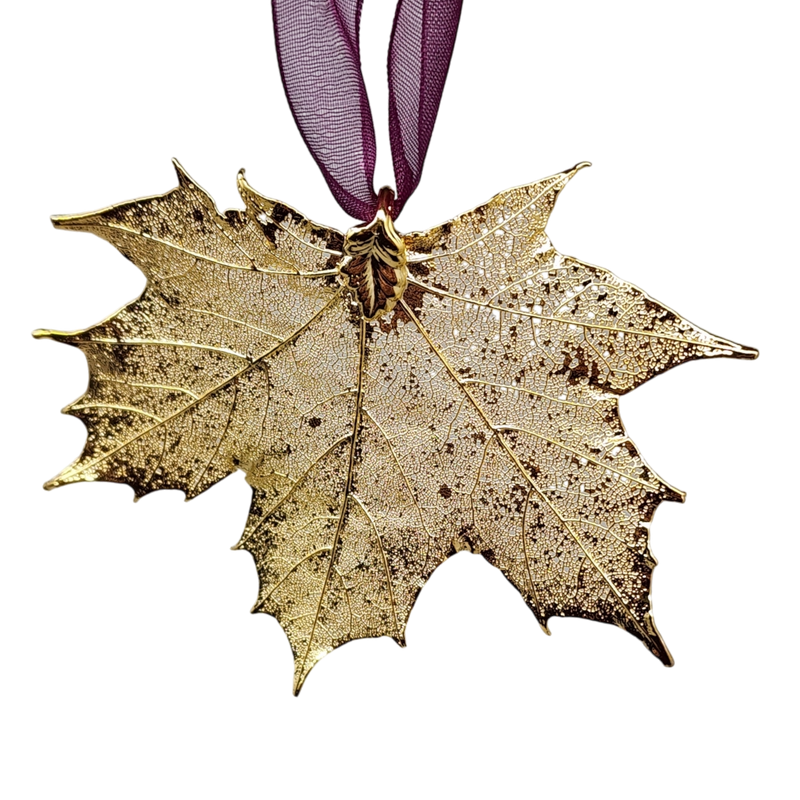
(420, 50)
(320, 62)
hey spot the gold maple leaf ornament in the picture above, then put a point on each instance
(392, 400)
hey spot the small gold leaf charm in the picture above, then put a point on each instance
(374, 261)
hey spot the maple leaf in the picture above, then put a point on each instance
(476, 411)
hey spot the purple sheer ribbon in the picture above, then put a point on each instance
(320, 62)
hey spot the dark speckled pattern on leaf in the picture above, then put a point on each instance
(480, 413)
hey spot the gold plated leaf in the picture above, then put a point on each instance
(391, 401)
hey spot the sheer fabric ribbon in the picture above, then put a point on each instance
(319, 58)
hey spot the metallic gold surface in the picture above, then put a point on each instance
(479, 413)
(374, 261)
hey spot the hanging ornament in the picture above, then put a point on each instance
(392, 398)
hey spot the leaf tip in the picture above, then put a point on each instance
(729, 349)
(181, 172)
(296, 686)
(38, 333)
(675, 496)
(662, 654)
(546, 629)
(48, 333)
(62, 478)
(302, 670)
(401, 643)
(749, 353)
(241, 180)
(241, 183)
(255, 605)
(61, 220)
(176, 162)
(570, 173)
